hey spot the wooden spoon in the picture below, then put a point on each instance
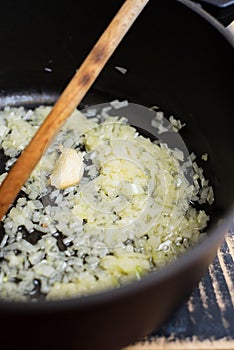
(68, 101)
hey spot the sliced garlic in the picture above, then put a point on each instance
(68, 170)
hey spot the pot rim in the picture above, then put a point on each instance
(209, 19)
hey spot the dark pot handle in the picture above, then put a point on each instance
(223, 10)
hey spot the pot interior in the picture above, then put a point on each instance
(173, 57)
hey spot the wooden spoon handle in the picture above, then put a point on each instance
(68, 101)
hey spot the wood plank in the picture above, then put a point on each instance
(164, 344)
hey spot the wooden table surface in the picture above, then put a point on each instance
(206, 320)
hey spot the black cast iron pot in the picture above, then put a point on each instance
(177, 57)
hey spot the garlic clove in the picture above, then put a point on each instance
(68, 170)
